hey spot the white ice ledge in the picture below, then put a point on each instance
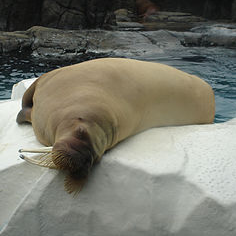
(178, 181)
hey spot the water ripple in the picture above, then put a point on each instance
(217, 66)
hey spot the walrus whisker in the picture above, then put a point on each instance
(60, 158)
(43, 160)
(74, 185)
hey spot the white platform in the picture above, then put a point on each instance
(175, 181)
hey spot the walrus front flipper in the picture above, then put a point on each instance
(27, 103)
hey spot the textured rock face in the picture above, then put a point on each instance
(177, 181)
(54, 44)
(72, 14)
(64, 14)
(234, 10)
(59, 14)
(76, 14)
(19, 15)
(211, 9)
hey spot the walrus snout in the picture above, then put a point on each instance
(74, 155)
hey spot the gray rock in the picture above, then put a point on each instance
(124, 15)
(121, 43)
(56, 43)
(217, 34)
(60, 44)
(14, 41)
(174, 16)
(63, 15)
(209, 35)
(177, 21)
(130, 26)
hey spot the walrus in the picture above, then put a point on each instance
(80, 111)
(146, 8)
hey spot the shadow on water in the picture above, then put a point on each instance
(217, 66)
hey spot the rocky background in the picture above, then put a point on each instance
(80, 14)
(70, 29)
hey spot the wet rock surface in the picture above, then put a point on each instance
(128, 39)
(179, 21)
(51, 43)
(14, 41)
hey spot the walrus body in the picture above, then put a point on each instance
(85, 109)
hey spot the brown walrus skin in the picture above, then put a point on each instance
(146, 8)
(85, 109)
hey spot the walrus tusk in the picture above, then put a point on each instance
(40, 150)
(44, 159)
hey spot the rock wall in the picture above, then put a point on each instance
(234, 11)
(63, 14)
(211, 9)
(19, 14)
(72, 14)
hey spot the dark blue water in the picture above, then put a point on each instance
(217, 66)
(14, 68)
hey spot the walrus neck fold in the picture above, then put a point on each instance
(100, 139)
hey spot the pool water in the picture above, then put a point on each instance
(217, 66)
(14, 68)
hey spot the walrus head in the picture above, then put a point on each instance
(73, 153)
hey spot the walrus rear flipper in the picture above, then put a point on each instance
(27, 103)
(24, 116)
